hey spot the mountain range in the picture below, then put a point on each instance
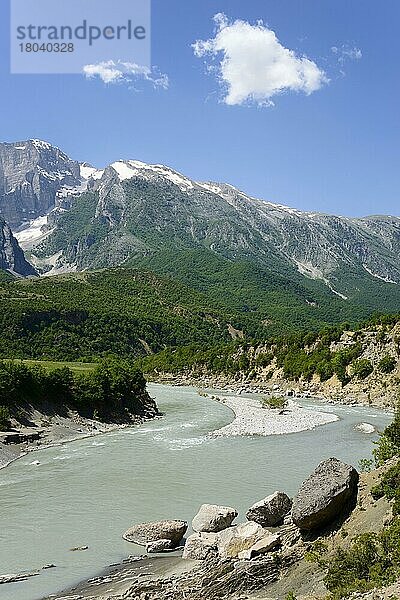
(68, 216)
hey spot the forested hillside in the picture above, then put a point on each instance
(132, 313)
(341, 361)
(114, 391)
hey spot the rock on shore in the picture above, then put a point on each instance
(324, 494)
(200, 546)
(146, 533)
(212, 518)
(242, 537)
(158, 546)
(271, 510)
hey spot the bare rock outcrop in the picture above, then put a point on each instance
(12, 258)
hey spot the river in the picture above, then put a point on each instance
(87, 492)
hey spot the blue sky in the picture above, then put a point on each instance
(334, 150)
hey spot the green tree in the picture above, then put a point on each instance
(387, 364)
(388, 444)
(362, 368)
(5, 418)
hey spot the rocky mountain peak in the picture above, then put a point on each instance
(31, 174)
(11, 256)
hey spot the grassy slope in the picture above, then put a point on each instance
(75, 367)
(79, 316)
(281, 297)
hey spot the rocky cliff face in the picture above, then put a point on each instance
(31, 175)
(379, 346)
(12, 258)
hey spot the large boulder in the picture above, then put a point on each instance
(264, 545)
(144, 533)
(270, 511)
(325, 494)
(200, 546)
(234, 540)
(212, 518)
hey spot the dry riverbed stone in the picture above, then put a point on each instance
(234, 540)
(145, 533)
(200, 546)
(270, 511)
(325, 494)
(264, 545)
(212, 518)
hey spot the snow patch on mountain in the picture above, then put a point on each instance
(41, 145)
(385, 279)
(97, 174)
(32, 233)
(87, 171)
(66, 191)
(52, 175)
(126, 169)
(212, 187)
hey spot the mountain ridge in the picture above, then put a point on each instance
(130, 211)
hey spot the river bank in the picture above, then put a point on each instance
(88, 492)
(271, 575)
(351, 395)
(47, 431)
(117, 580)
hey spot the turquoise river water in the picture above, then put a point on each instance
(87, 492)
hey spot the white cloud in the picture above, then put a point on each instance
(253, 66)
(346, 53)
(124, 72)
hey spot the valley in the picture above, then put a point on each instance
(200, 301)
(219, 347)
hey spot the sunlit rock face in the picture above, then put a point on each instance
(31, 174)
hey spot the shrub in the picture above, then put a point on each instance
(366, 465)
(4, 418)
(362, 368)
(373, 560)
(388, 444)
(387, 364)
(274, 402)
(325, 370)
(389, 487)
(264, 359)
(317, 552)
